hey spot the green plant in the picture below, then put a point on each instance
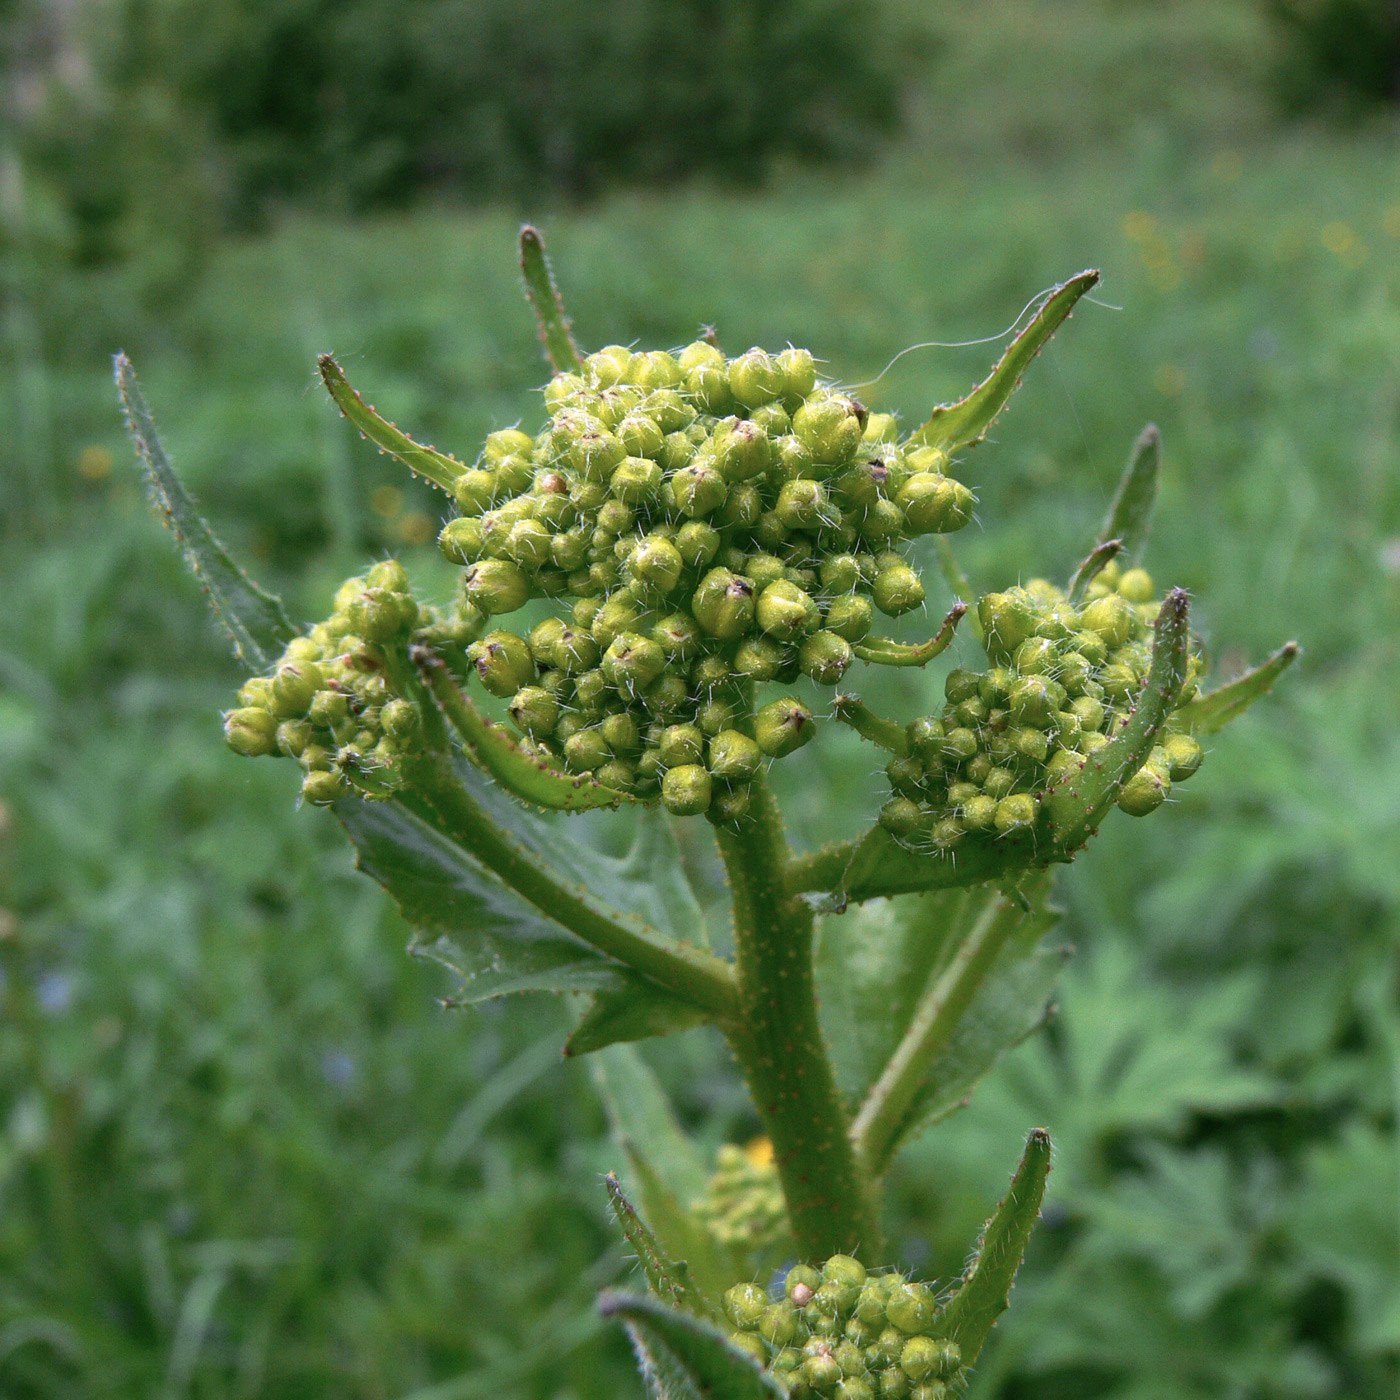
(716, 524)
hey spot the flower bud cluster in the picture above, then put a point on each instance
(710, 523)
(330, 702)
(743, 1206)
(839, 1332)
(1063, 680)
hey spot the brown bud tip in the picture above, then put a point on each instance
(801, 1295)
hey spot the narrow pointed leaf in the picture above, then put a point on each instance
(531, 779)
(1211, 713)
(1130, 516)
(986, 1285)
(884, 732)
(633, 1009)
(555, 332)
(428, 462)
(670, 1279)
(965, 423)
(668, 1169)
(881, 866)
(1077, 805)
(692, 1360)
(1092, 567)
(883, 652)
(254, 619)
(465, 918)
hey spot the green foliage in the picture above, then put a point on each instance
(1339, 53)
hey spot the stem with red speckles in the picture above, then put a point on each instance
(778, 1042)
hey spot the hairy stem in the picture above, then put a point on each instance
(818, 870)
(876, 1127)
(779, 1044)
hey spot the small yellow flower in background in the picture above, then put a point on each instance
(1139, 225)
(94, 463)
(760, 1151)
(417, 528)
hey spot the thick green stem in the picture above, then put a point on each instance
(937, 1016)
(778, 1042)
(680, 967)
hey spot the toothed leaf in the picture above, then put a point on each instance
(254, 619)
(670, 1279)
(1211, 713)
(1130, 516)
(683, 1358)
(634, 1009)
(985, 1292)
(437, 467)
(555, 333)
(1078, 804)
(965, 423)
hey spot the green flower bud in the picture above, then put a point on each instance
(535, 711)
(894, 1384)
(850, 617)
(979, 813)
(848, 1357)
(742, 450)
(399, 719)
(588, 496)
(699, 352)
(632, 662)
(328, 709)
(698, 489)
(616, 616)
(759, 659)
(840, 574)
(1033, 702)
(783, 726)
(1016, 813)
(843, 1269)
(1145, 791)
(621, 733)
(1112, 618)
(686, 789)
(977, 768)
(897, 590)
(910, 1307)
(507, 442)
(734, 757)
(698, 543)
(388, 574)
(708, 384)
(568, 550)
(825, 656)
(723, 604)
(666, 696)
(804, 505)
(528, 544)
(801, 1283)
(614, 518)
(585, 750)
(496, 586)
(883, 521)
(608, 365)
(476, 491)
(256, 692)
(785, 611)
(959, 745)
(294, 686)
(321, 787)
(1035, 656)
(822, 1372)
(709, 672)
(754, 379)
(658, 563)
(921, 1358)
(640, 436)
(503, 662)
(1007, 619)
(870, 1306)
(925, 736)
(251, 731)
(799, 372)
(618, 774)
(946, 833)
(1184, 755)
(829, 429)
(791, 461)
(742, 508)
(778, 1325)
(854, 1388)
(635, 481)
(745, 1305)
(1136, 586)
(1089, 713)
(935, 504)
(678, 636)
(901, 817)
(1119, 682)
(654, 369)
(596, 454)
(681, 744)
(773, 419)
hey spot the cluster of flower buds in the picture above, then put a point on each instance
(842, 1333)
(743, 1205)
(1063, 680)
(715, 523)
(331, 702)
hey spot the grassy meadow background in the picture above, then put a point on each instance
(244, 1152)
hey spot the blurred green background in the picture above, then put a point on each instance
(243, 1150)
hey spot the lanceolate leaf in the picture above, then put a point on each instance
(1092, 567)
(428, 462)
(463, 916)
(1077, 805)
(880, 865)
(635, 1009)
(668, 1168)
(986, 1285)
(884, 652)
(684, 1358)
(555, 332)
(1130, 516)
(1211, 713)
(965, 423)
(531, 779)
(670, 1279)
(254, 619)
